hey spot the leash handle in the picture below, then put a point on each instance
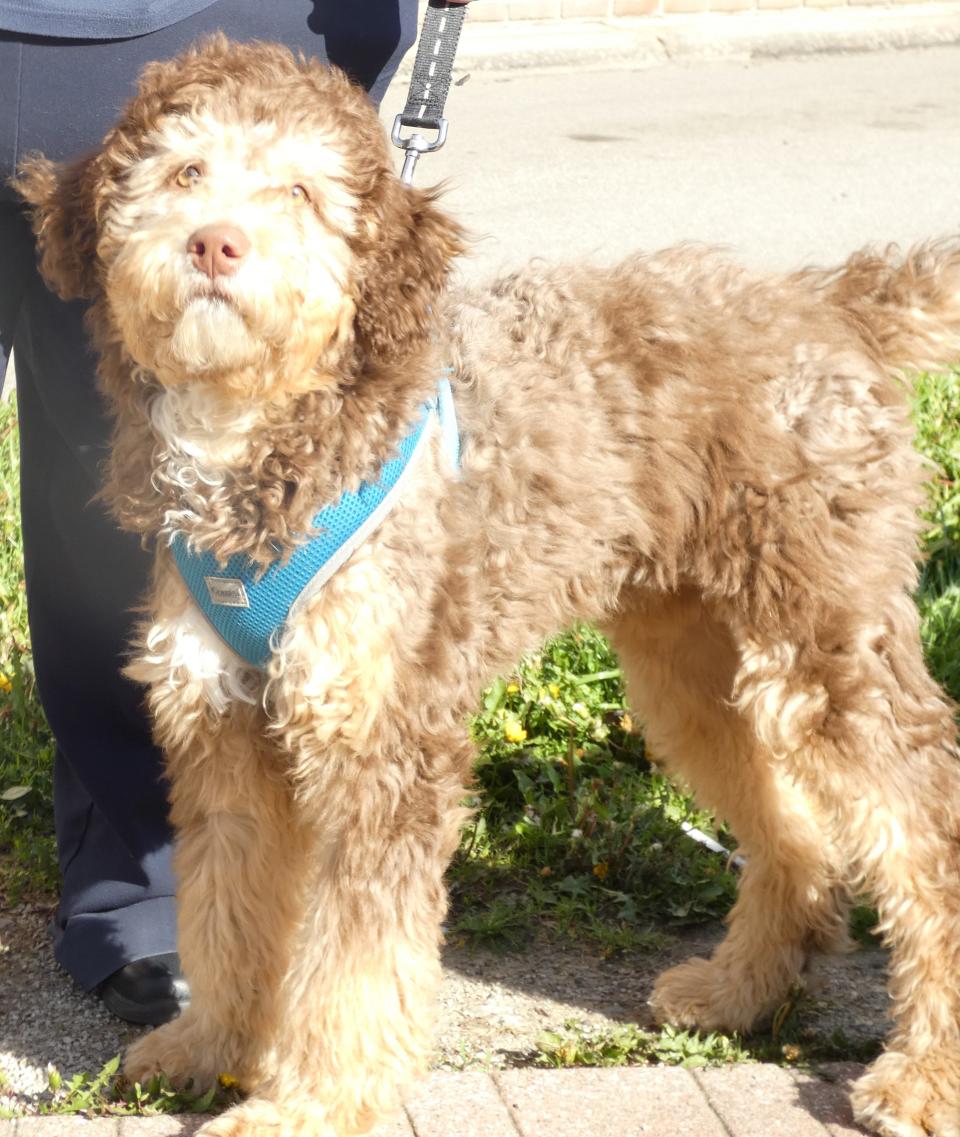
(429, 84)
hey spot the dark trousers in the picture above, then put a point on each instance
(84, 577)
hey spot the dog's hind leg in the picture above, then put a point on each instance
(883, 767)
(239, 862)
(358, 1001)
(680, 665)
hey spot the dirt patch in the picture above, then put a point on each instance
(493, 1005)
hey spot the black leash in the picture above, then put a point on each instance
(429, 84)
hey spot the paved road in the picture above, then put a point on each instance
(786, 161)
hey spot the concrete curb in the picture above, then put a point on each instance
(637, 43)
(737, 1101)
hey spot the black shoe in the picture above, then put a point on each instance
(150, 991)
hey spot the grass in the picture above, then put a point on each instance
(937, 415)
(28, 865)
(577, 832)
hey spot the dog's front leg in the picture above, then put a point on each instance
(358, 1001)
(239, 861)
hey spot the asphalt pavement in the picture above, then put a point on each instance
(787, 161)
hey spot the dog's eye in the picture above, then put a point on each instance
(189, 176)
(299, 193)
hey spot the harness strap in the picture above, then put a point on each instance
(249, 606)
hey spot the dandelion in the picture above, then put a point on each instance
(5, 684)
(600, 870)
(228, 1081)
(513, 688)
(513, 731)
(554, 690)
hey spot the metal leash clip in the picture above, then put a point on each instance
(429, 85)
(415, 144)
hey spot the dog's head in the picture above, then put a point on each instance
(242, 225)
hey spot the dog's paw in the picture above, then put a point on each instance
(904, 1096)
(257, 1116)
(176, 1050)
(700, 993)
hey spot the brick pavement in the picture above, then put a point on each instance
(735, 1101)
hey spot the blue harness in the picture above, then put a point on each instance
(248, 605)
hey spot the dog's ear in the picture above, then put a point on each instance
(61, 204)
(413, 244)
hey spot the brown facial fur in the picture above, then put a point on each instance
(715, 467)
(400, 250)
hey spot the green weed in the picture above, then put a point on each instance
(108, 1093)
(630, 1045)
(577, 832)
(937, 417)
(787, 1042)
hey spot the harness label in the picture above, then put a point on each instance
(227, 591)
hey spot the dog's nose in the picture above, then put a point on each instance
(218, 250)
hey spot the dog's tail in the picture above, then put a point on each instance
(906, 307)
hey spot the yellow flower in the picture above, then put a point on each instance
(5, 684)
(554, 690)
(626, 723)
(600, 870)
(513, 689)
(228, 1081)
(513, 731)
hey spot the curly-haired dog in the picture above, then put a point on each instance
(715, 467)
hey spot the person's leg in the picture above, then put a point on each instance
(83, 575)
(17, 245)
(83, 578)
(15, 238)
(77, 579)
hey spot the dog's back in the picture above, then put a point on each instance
(679, 420)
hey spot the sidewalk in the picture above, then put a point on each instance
(607, 44)
(736, 1101)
